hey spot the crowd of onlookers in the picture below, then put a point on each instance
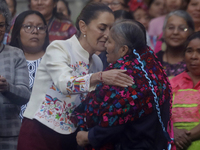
(43, 55)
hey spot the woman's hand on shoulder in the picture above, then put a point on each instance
(82, 138)
(117, 77)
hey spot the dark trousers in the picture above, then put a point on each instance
(36, 136)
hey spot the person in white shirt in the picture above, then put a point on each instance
(68, 71)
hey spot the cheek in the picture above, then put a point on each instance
(166, 36)
(185, 36)
(178, 2)
(154, 8)
(51, 5)
(42, 39)
(23, 38)
(190, 9)
(187, 58)
(32, 5)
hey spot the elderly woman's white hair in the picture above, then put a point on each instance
(183, 14)
(5, 12)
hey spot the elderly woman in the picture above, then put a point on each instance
(131, 116)
(68, 71)
(186, 103)
(177, 27)
(14, 90)
(119, 15)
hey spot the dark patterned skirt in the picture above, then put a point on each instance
(36, 136)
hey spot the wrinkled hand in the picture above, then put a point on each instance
(4, 86)
(117, 77)
(82, 138)
(181, 137)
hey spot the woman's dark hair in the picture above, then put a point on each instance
(183, 14)
(130, 33)
(125, 4)
(150, 3)
(4, 11)
(188, 1)
(90, 12)
(67, 6)
(15, 37)
(195, 35)
(122, 14)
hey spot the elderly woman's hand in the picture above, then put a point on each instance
(4, 85)
(181, 138)
(82, 138)
(117, 77)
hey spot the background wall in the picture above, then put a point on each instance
(75, 7)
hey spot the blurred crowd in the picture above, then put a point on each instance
(43, 55)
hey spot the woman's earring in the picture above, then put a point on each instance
(84, 35)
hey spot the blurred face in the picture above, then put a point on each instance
(172, 5)
(194, 10)
(97, 31)
(115, 4)
(11, 7)
(176, 31)
(141, 16)
(32, 38)
(2, 27)
(157, 8)
(192, 57)
(112, 53)
(61, 8)
(45, 7)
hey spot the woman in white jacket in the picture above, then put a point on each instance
(68, 70)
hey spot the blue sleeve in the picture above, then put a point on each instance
(99, 136)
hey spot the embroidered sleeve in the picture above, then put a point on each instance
(58, 66)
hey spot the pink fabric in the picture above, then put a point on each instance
(183, 81)
(158, 46)
(187, 97)
(185, 93)
(156, 26)
(188, 114)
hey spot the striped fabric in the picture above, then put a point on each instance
(32, 68)
(186, 115)
(14, 68)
